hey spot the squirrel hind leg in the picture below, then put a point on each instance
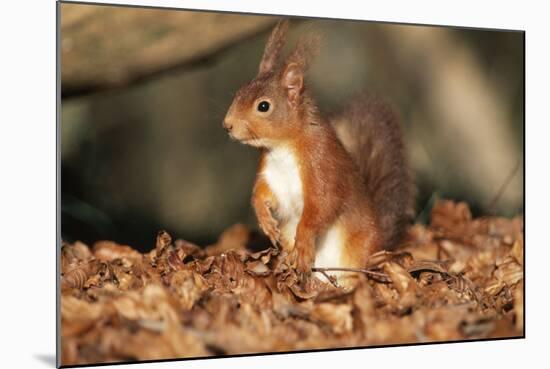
(341, 247)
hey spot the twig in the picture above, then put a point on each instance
(331, 279)
(503, 188)
(422, 216)
(356, 270)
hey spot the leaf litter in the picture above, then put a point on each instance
(458, 278)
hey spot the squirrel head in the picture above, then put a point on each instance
(273, 107)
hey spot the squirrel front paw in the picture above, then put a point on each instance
(301, 258)
(270, 227)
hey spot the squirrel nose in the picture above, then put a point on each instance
(228, 124)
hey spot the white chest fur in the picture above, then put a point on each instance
(282, 174)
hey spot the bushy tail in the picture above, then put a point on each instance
(371, 133)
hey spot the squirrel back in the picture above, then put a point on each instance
(371, 133)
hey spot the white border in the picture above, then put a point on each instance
(27, 158)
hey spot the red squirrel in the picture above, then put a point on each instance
(329, 190)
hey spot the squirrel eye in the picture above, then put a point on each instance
(263, 106)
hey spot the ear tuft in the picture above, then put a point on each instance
(273, 47)
(306, 49)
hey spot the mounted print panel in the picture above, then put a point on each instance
(238, 184)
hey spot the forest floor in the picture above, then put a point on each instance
(457, 278)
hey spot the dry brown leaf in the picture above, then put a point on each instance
(456, 279)
(109, 250)
(337, 316)
(233, 238)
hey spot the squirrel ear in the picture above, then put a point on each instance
(293, 81)
(273, 47)
(296, 65)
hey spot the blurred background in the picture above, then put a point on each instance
(144, 93)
